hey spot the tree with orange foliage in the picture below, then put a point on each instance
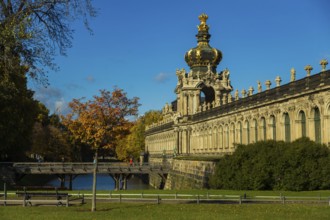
(102, 121)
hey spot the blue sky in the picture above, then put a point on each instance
(138, 45)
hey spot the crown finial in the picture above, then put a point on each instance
(203, 17)
(203, 26)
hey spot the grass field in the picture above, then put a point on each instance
(143, 211)
(167, 211)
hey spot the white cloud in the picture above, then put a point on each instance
(74, 86)
(90, 79)
(162, 77)
(52, 98)
(61, 106)
(44, 93)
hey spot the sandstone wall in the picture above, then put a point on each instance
(189, 174)
(184, 174)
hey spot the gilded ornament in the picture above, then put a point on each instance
(203, 26)
(216, 55)
(198, 54)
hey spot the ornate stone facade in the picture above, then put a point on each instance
(208, 118)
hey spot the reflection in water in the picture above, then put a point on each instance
(104, 182)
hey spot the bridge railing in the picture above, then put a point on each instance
(70, 165)
(103, 167)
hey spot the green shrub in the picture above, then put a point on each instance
(275, 165)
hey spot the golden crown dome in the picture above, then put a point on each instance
(202, 56)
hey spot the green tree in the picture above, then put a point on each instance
(31, 32)
(50, 140)
(18, 111)
(134, 143)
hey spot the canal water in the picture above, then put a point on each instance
(104, 182)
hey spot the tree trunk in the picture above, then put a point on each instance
(94, 183)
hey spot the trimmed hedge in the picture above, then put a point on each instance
(275, 165)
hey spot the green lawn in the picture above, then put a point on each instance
(322, 193)
(168, 211)
(112, 210)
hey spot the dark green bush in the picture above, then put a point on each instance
(275, 165)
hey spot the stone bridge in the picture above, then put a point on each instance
(120, 172)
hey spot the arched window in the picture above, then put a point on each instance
(255, 130)
(287, 129)
(317, 125)
(240, 132)
(302, 120)
(247, 132)
(232, 135)
(226, 136)
(220, 137)
(207, 94)
(263, 128)
(215, 138)
(202, 97)
(209, 138)
(205, 139)
(273, 127)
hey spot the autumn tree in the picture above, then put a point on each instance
(134, 143)
(102, 121)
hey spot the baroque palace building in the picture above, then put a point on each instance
(209, 117)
